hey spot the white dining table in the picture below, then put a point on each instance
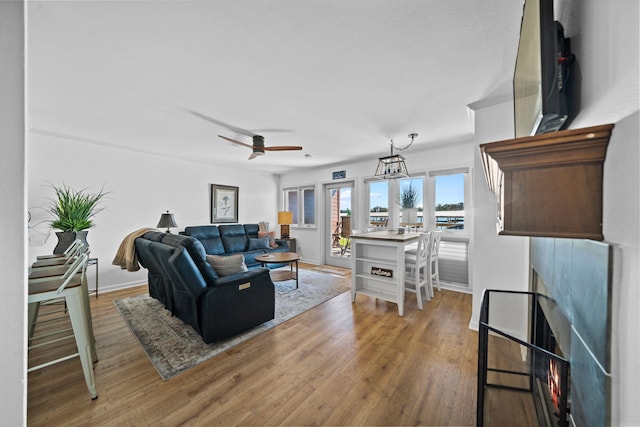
(378, 265)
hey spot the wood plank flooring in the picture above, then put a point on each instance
(341, 363)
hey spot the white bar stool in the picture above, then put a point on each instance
(417, 269)
(72, 287)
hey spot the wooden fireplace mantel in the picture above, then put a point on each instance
(549, 185)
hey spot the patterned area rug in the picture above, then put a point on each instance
(173, 347)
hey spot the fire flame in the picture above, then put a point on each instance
(553, 381)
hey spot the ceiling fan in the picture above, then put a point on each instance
(259, 148)
(258, 141)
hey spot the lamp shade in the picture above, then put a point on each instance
(167, 220)
(285, 217)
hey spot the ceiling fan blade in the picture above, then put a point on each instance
(236, 142)
(223, 124)
(259, 131)
(283, 148)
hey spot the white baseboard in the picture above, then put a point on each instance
(119, 286)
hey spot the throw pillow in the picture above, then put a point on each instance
(227, 265)
(260, 243)
(272, 237)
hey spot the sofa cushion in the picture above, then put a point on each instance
(260, 243)
(197, 252)
(209, 236)
(234, 238)
(250, 257)
(227, 265)
(251, 230)
(272, 238)
(184, 273)
(154, 236)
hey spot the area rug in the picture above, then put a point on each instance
(173, 347)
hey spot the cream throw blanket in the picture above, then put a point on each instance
(126, 256)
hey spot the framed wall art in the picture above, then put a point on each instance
(224, 203)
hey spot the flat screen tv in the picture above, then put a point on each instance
(542, 72)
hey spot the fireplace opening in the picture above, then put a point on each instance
(551, 397)
(552, 380)
(523, 374)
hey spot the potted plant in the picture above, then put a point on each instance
(409, 199)
(73, 212)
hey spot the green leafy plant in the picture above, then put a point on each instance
(73, 210)
(409, 196)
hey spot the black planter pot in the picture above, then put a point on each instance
(66, 238)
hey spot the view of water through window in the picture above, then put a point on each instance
(449, 201)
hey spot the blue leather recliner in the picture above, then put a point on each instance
(216, 307)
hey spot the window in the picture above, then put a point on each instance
(291, 203)
(449, 200)
(450, 192)
(411, 190)
(301, 202)
(378, 203)
(309, 206)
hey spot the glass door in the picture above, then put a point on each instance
(339, 215)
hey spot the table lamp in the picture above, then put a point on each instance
(167, 220)
(284, 219)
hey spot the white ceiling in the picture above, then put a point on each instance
(339, 77)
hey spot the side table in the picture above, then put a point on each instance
(290, 241)
(94, 261)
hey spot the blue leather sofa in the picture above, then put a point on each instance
(229, 239)
(188, 286)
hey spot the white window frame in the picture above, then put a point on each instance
(466, 171)
(298, 220)
(396, 198)
(452, 238)
(367, 195)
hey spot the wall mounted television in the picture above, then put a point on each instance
(542, 73)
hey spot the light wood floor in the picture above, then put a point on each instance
(341, 363)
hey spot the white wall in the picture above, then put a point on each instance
(620, 228)
(141, 187)
(605, 39)
(311, 241)
(500, 262)
(13, 397)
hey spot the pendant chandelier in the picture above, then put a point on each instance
(393, 166)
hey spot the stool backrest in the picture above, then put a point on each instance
(424, 248)
(73, 247)
(435, 243)
(80, 263)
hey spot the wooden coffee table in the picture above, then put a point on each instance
(280, 257)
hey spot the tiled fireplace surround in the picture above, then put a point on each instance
(576, 275)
